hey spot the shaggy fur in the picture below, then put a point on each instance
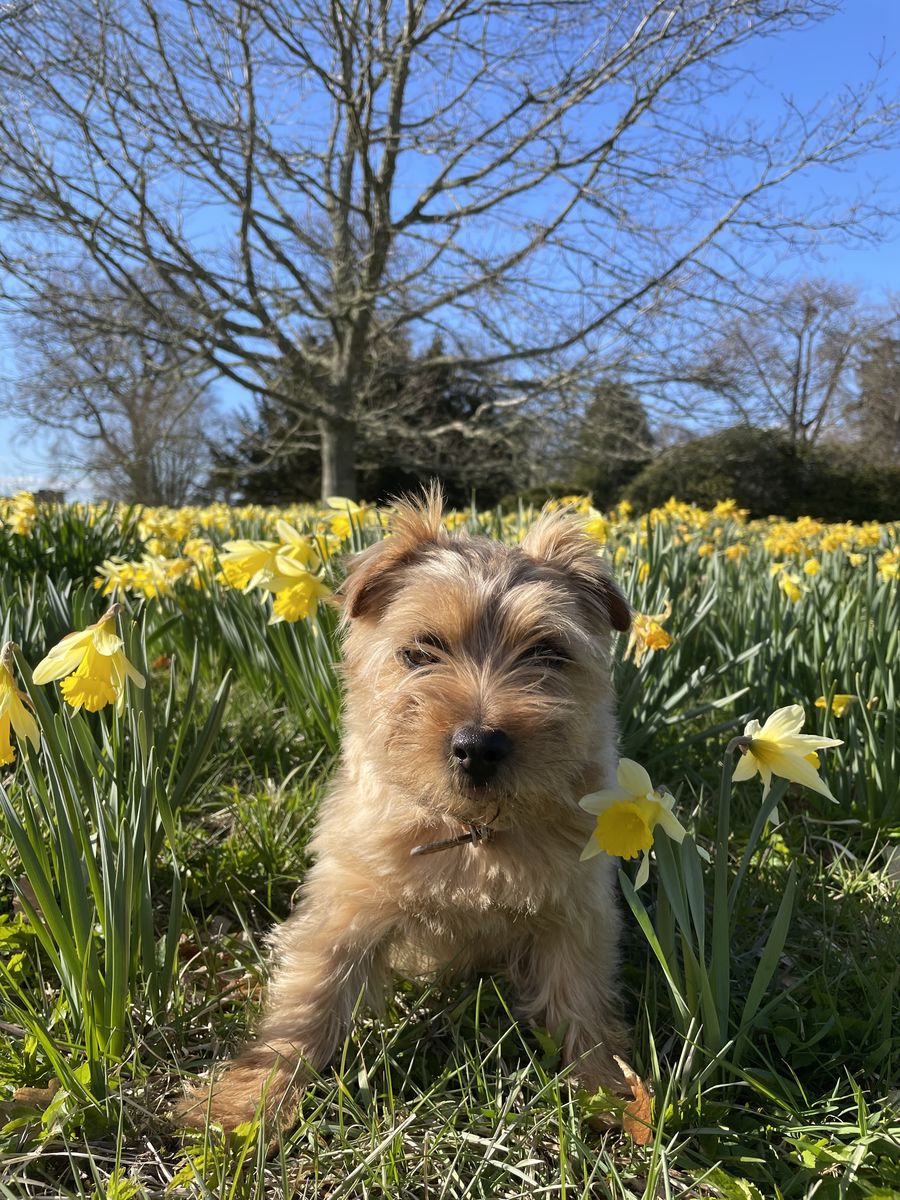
(441, 633)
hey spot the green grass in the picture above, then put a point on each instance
(145, 856)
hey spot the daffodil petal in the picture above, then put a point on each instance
(591, 849)
(783, 722)
(106, 641)
(598, 802)
(643, 872)
(797, 770)
(805, 742)
(63, 658)
(134, 674)
(286, 531)
(24, 723)
(765, 771)
(632, 778)
(671, 825)
(745, 768)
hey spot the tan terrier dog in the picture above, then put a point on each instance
(478, 711)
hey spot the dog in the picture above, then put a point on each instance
(478, 711)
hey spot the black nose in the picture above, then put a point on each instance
(480, 751)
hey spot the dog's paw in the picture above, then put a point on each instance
(237, 1095)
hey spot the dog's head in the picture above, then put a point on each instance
(478, 673)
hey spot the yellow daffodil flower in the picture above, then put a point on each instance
(201, 551)
(22, 513)
(94, 665)
(14, 715)
(812, 566)
(628, 816)
(647, 634)
(839, 703)
(456, 520)
(245, 562)
(597, 526)
(297, 592)
(779, 748)
(351, 514)
(296, 546)
(790, 585)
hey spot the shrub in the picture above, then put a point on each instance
(765, 474)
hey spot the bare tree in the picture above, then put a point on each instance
(787, 362)
(534, 182)
(874, 412)
(120, 402)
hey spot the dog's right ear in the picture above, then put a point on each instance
(374, 574)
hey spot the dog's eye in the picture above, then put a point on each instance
(546, 654)
(417, 656)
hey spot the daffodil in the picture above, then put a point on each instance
(14, 715)
(297, 593)
(353, 514)
(839, 703)
(647, 633)
(246, 562)
(790, 585)
(296, 546)
(597, 526)
(628, 816)
(92, 666)
(779, 748)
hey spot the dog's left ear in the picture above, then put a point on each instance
(559, 538)
(374, 574)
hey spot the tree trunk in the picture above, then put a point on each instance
(338, 460)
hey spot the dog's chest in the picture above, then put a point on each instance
(501, 877)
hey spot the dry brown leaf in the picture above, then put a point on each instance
(36, 1097)
(638, 1115)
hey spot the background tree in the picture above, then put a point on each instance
(118, 398)
(874, 412)
(537, 183)
(786, 362)
(426, 418)
(611, 441)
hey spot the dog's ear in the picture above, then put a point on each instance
(374, 574)
(559, 538)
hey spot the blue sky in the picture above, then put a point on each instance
(806, 66)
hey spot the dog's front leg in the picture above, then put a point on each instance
(567, 978)
(329, 952)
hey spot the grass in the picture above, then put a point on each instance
(146, 855)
